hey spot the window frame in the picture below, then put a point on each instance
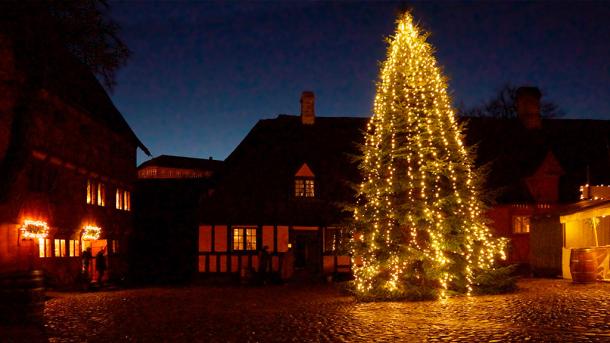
(244, 238)
(521, 224)
(304, 187)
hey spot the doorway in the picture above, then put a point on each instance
(307, 253)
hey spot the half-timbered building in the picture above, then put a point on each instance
(286, 183)
(67, 168)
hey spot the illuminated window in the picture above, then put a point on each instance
(91, 192)
(244, 238)
(96, 193)
(123, 200)
(74, 247)
(44, 247)
(304, 188)
(101, 194)
(521, 224)
(60, 247)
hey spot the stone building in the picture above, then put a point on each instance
(67, 168)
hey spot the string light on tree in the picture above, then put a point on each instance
(419, 220)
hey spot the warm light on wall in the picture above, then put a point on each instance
(34, 229)
(91, 233)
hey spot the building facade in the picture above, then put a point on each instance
(167, 196)
(67, 168)
(287, 184)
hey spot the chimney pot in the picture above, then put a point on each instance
(308, 115)
(527, 103)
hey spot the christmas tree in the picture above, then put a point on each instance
(419, 221)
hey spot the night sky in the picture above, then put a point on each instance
(202, 74)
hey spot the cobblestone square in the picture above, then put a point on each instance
(542, 311)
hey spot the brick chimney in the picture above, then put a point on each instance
(527, 103)
(308, 114)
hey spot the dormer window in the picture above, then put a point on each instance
(304, 183)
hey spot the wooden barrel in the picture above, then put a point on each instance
(583, 265)
(22, 297)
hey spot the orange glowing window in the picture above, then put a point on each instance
(521, 224)
(304, 188)
(123, 200)
(44, 247)
(101, 194)
(96, 193)
(60, 247)
(244, 238)
(74, 247)
(91, 192)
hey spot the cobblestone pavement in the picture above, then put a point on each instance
(542, 311)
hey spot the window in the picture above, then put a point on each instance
(521, 224)
(304, 188)
(74, 247)
(44, 247)
(304, 185)
(91, 193)
(123, 200)
(96, 193)
(60, 247)
(101, 194)
(244, 238)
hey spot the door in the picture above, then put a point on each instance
(307, 252)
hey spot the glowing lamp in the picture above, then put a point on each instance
(91, 233)
(34, 229)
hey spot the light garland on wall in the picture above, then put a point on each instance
(419, 218)
(35, 229)
(91, 233)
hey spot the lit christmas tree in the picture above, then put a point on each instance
(419, 221)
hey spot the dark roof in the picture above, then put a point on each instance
(62, 74)
(182, 162)
(514, 153)
(258, 183)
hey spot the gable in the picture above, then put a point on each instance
(304, 171)
(550, 166)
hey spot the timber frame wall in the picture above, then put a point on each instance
(216, 254)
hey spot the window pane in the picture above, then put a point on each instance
(41, 247)
(238, 239)
(118, 199)
(309, 188)
(299, 188)
(89, 192)
(251, 239)
(47, 248)
(101, 194)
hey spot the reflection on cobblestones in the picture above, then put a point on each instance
(543, 310)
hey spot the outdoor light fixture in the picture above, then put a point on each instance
(34, 229)
(91, 233)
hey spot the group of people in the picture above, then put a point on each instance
(100, 264)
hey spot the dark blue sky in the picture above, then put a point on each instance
(202, 74)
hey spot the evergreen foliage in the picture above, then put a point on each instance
(419, 222)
